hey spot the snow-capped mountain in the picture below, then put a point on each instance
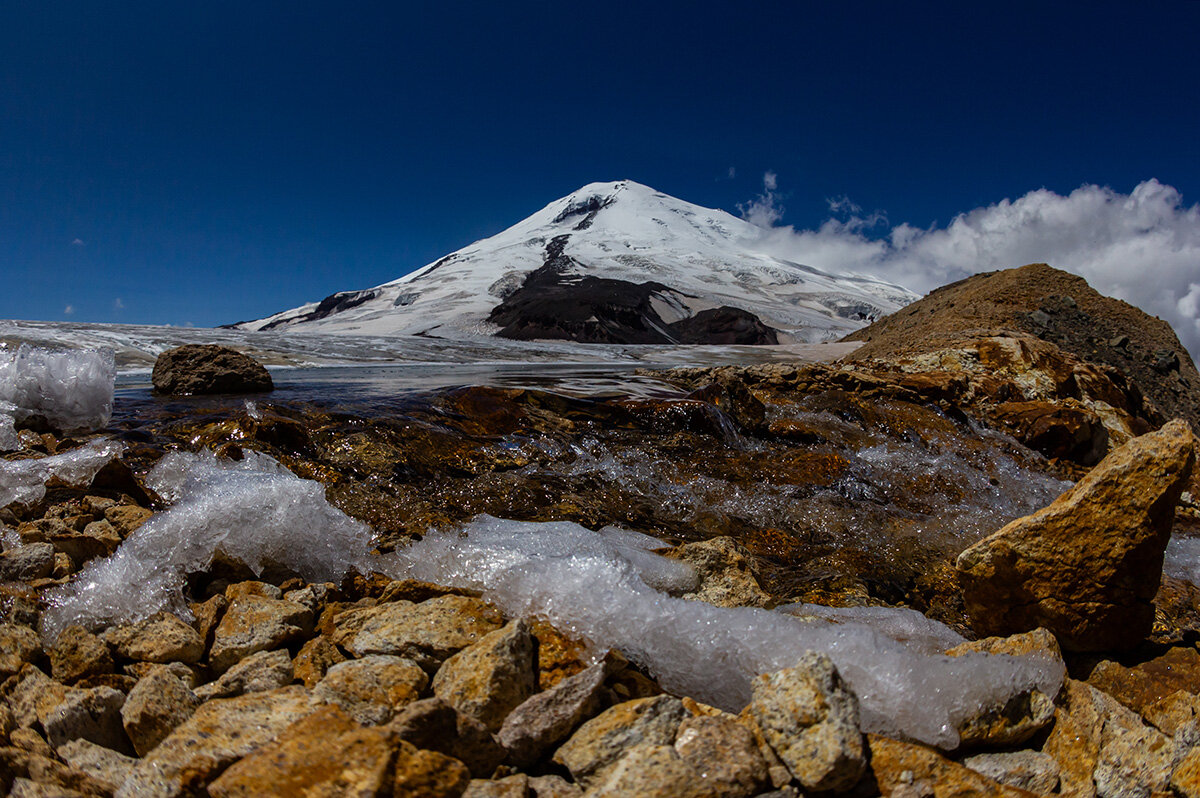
(617, 262)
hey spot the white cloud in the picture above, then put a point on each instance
(69, 310)
(764, 210)
(118, 304)
(77, 242)
(1142, 247)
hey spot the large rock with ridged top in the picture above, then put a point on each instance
(1087, 566)
(208, 369)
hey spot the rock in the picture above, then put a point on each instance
(35, 696)
(1185, 781)
(724, 572)
(28, 562)
(1057, 431)
(102, 764)
(604, 739)
(724, 754)
(190, 675)
(1074, 739)
(516, 786)
(126, 518)
(544, 720)
(907, 770)
(160, 638)
(206, 369)
(810, 719)
(93, 715)
(428, 774)
(1139, 685)
(1023, 713)
(1086, 567)
(18, 644)
(1174, 712)
(208, 614)
(651, 771)
(219, 733)
(490, 678)
(325, 753)
(428, 633)
(255, 623)
(31, 741)
(78, 653)
(372, 689)
(433, 724)
(553, 787)
(21, 771)
(1027, 770)
(252, 587)
(314, 659)
(266, 670)
(156, 705)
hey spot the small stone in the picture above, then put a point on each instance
(18, 644)
(93, 714)
(1185, 781)
(26, 563)
(1174, 712)
(1146, 682)
(553, 787)
(810, 718)
(724, 754)
(314, 660)
(490, 678)
(433, 724)
(908, 770)
(254, 623)
(208, 614)
(78, 653)
(651, 771)
(102, 764)
(516, 786)
(1027, 770)
(190, 675)
(252, 587)
(1135, 760)
(219, 733)
(428, 633)
(723, 569)
(31, 741)
(428, 774)
(325, 753)
(157, 704)
(35, 696)
(544, 720)
(160, 638)
(125, 518)
(208, 369)
(266, 670)
(373, 688)
(604, 739)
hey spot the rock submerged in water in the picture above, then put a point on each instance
(207, 369)
(1086, 567)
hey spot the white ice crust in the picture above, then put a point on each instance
(254, 511)
(9, 440)
(24, 481)
(72, 389)
(580, 580)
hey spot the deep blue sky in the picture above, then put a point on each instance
(217, 161)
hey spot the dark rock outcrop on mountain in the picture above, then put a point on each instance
(208, 369)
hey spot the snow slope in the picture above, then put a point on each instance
(622, 231)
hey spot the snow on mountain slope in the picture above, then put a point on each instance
(622, 231)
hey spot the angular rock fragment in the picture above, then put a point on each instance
(723, 569)
(428, 774)
(907, 769)
(160, 638)
(433, 724)
(28, 562)
(652, 771)
(515, 786)
(544, 720)
(93, 715)
(604, 739)
(1086, 567)
(157, 704)
(724, 754)
(491, 677)
(314, 659)
(78, 653)
(810, 718)
(1026, 770)
(372, 689)
(266, 670)
(428, 633)
(104, 765)
(255, 623)
(18, 645)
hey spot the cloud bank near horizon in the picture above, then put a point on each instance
(1142, 247)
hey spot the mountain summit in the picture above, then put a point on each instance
(611, 263)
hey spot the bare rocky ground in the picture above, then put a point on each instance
(275, 686)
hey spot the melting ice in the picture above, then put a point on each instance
(72, 389)
(24, 481)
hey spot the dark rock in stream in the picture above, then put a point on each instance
(208, 369)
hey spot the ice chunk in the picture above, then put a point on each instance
(581, 582)
(254, 511)
(1182, 559)
(899, 623)
(24, 481)
(9, 440)
(72, 389)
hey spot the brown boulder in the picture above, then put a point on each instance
(1086, 567)
(1055, 429)
(906, 769)
(207, 368)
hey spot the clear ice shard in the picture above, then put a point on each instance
(71, 388)
(581, 581)
(24, 481)
(254, 511)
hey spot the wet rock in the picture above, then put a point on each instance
(559, 656)
(1174, 712)
(604, 739)
(126, 518)
(93, 715)
(18, 644)
(28, 562)
(156, 705)
(314, 659)
(78, 653)
(1025, 770)
(910, 770)
(104, 765)
(724, 572)
(651, 771)
(1139, 685)
(219, 733)
(1057, 431)
(208, 369)
(724, 754)
(160, 638)
(325, 753)
(544, 720)
(255, 623)
(433, 724)
(810, 718)
(490, 678)
(428, 774)
(372, 689)
(1086, 567)
(428, 633)
(266, 670)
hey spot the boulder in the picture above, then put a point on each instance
(156, 705)
(910, 770)
(490, 678)
(1087, 566)
(207, 369)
